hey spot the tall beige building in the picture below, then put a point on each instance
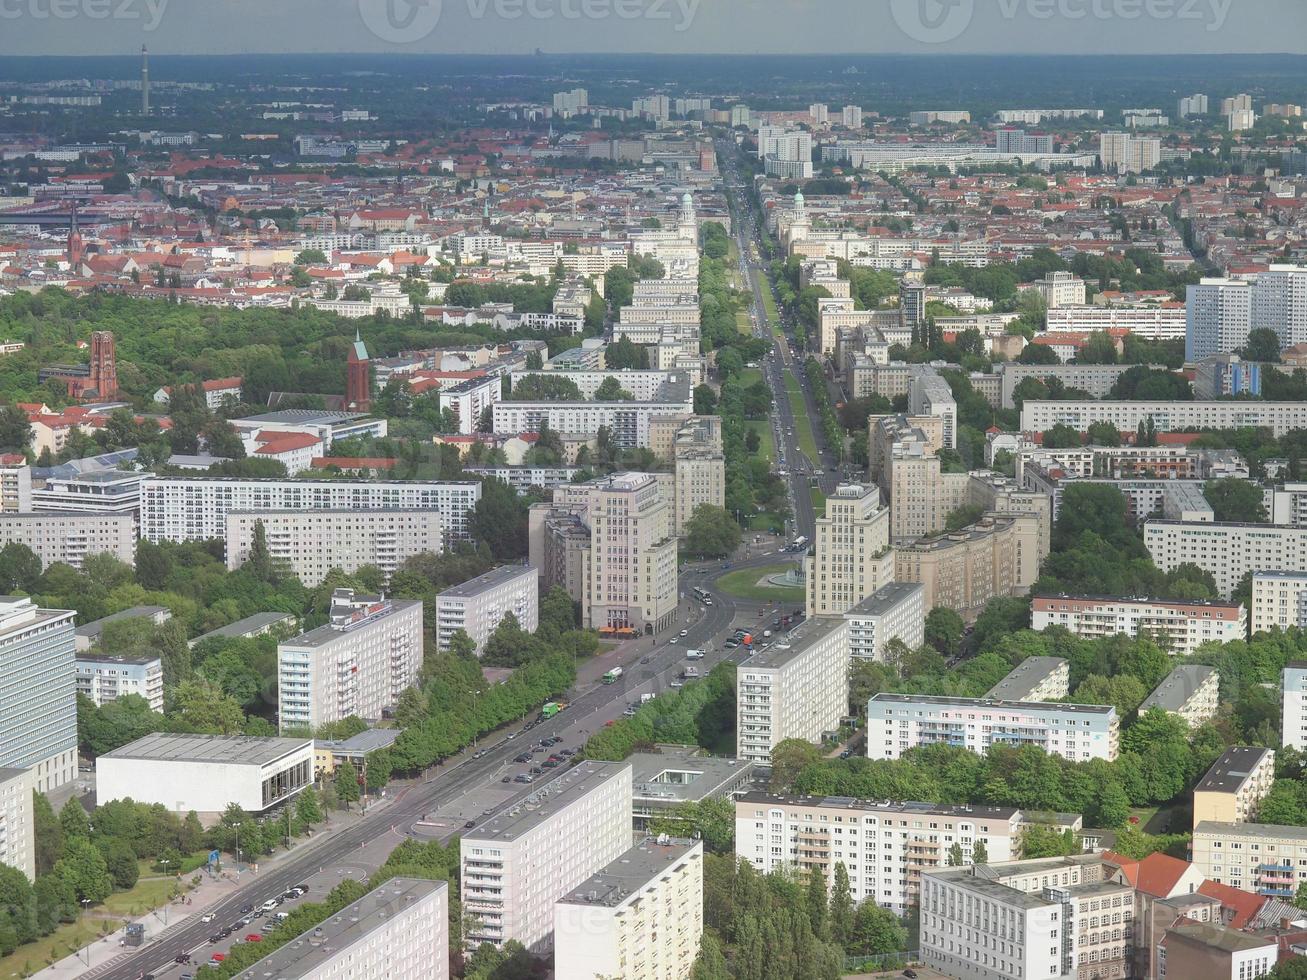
(851, 556)
(965, 569)
(699, 465)
(921, 494)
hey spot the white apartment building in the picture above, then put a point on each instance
(1096, 380)
(1268, 859)
(893, 612)
(357, 664)
(628, 422)
(71, 537)
(930, 395)
(309, 544)
(1149, 322)
(96, 492)
(38, 692)
(1060, 289)
(1279, 303)
(639, 918)
(1192, 691)
(1123, 153)
(1235, 785)
(1034, 679)
(898, 722)
(468, 399)
(1288, 504)
(477, 605)
(1228, 551)
(1177, 626)
(17, 833)
(15, 487)
(1293, 694)
(885, 846)
(517, 864)
(1279, 417)
(1279, 600)
(641, 385)
(851, 556)
(196, 508)
(796, 688)
(399, 930)
(104, 678)
(1193, 105)
(1218, 317)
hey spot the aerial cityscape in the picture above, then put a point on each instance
(653, 490)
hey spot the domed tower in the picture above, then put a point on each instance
(358, 377)
(686, 223)
(799, 225)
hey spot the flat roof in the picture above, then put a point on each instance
(886, 806)
(1220, 937)
(96, 626)
(305, 416)
(311, 950)
(1025, 677)
(327, 633)
(258, 623)
(1274, 831)
(885, 598)
(1232, 769)
(691, 777)
(942, 701)
(366, 741)
(794, 643)
(236, 750)
(544, 801)
(484, 583)
(109, 658)
(1178, 687)
(988, 887)
(630, 872)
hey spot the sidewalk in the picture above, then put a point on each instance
(210, 892)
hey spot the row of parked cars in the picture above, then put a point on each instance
(248, 914)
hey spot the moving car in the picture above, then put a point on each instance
(254, 937)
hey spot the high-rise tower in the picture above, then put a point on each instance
(145, 81)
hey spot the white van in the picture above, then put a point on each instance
(693, 654)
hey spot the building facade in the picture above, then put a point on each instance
(70, 537)
(1174, 416)
(1278, 600)
(1235, 785)
(1228, 551)
(1293, 694)
(851, 556)
(893, 612)
(1192, 691)
(1034, 679)
(1218, 317)
(17, 831)
(1177, 626)
(477, 605)
(105, 678)
(38, 692)
(1264, 858)
(962, 570)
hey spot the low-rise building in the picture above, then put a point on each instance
(478, 605)
(893, 612)
(250, 626)
(639, 918)
(1179, 626)
(1192, 691)
(898, 722)
(1235, 785)
(796, 688)
(884, 845)
(1209, 949)
(105, 678)
(89, 634)
(1034, 679)
(205, 773)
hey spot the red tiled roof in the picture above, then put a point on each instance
(355, 462)
(275, 444)
(1243, 905)
(1159, 873)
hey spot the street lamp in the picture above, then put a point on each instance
(238, 847)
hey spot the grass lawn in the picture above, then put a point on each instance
(31, 957)
(802, 423)
(742, 323)
(146, 894)
(766, 441)
(818, 501)
(743, 584)
(750, 376)
(765, 521)
(769, 306)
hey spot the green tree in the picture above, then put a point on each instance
(74, 821)
(840, 914)
(711, 531)
(18, 910)
(705, 400)
(877, 930)
(955, 856)
(1235, 500)
(817, 901)
(260, 564)
(979, 853)
(15, 430)
(120, 860)
(48, 830)
(944, 630)
(202, 707)
(1263, 345)
(83, 867)
(1103, 433)
(1061, 436)
(20, 569)
(347, 783)
(307, 810)
(710, 964)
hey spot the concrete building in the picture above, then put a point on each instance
(469, 399)
(1095, 380)
(1222, 375)
(516, 864)
(1183, 501)
(309, 544)
(699, 464)
(1293, 694)
(627, 421)
(1207, 949)
(676, 775)
(38, 689)
(1228, 551)
(399, 930)
(898, 722)
(250, 626)
(15, 485)
(96, 492)
(1178, 626)
(1219, 317)
(1060, 289)
(921, 494)
(796, 688)
(71, 537)
(1191, 691)
(1034, 679)
(1149, 322)
(89, 634)
(893, 612)
(962, 570)
(1279, 303)
(1288, 504)
(105, 678)
(1259, 857)
(205, 773)
(1123, 153)
(477, 605)
(196, 508)
(17, 831)
(357, 664)
(1235, 785)
(639, 918)
(1279, 417)
(850, 557)
(886, 846)
(929, 394)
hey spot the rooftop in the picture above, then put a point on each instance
(96, 626)
(490, 580)
(239, 750)
(884, 599)
(1257, 831)
(887, 806)
(1219, 937)
(249, 626)
(951, 702)
(362, 743)
(631, 872)
(307, 954)
(330, 632)
(678, 777)
(304, 416)
(795, 643)
(1025, 677)
(546, 800)
(1232, 769)
(1179, 686)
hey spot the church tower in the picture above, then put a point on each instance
(358, 377)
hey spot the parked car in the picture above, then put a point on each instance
(550, 764)
(507, 779)
(537, 771)
(254, 937)
(216, 938)
(522, 778)
(523, 757)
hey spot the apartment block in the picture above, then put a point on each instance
(1279, 600)
(477, 605)
(1228, 551)
(921, 494)
(1165, 322)
(17, 831)
(15, 485)
(850, 557)
(1268, 859)
(469, 399)
(796, 688)
(898, 722)
(70, 537)
(699, 465)
(357, 664)
(309, 544)
(105, 678)
(1034, 679)
(1293, 695)
(1192, 691)
(196, 508)
(1279, 303)
(1060, 289)
(516, 864)
(665, 780)
(1093, 379)
(1235, 785)
(885, 846)
(1279, 417)
(1045, 919)
(893, 612)
(929, 394)
(1219, 312)
(639, 918)
(962, 570)
(38, 728)
(1178, 626)
(399, 930)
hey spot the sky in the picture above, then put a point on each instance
(175, 27)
